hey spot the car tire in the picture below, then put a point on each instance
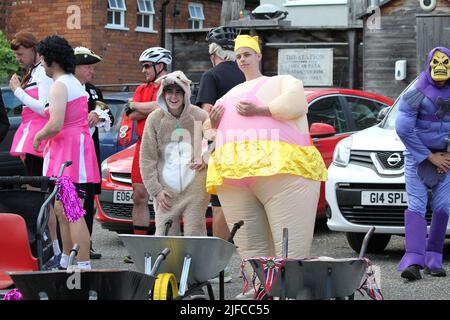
(377, 243)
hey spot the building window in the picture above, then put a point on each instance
(116, 14)
(196, 16)
(145, 15)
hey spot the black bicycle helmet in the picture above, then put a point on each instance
(223, 36)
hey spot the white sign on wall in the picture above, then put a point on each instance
(313, 66)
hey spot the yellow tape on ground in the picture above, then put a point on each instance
(163, 283)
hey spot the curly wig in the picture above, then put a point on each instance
(57, 49)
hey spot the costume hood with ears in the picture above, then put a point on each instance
(176, 77)
(426, 85)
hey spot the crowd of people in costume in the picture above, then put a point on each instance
(260, 165)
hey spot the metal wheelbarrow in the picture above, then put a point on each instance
(311, 278)
(75, 284)
(191, 263)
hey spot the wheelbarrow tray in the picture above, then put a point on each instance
(209, 255)
(315, 279)
(63, 285)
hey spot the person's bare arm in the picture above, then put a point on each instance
(142, 109)
(207, 107)
(57, 103)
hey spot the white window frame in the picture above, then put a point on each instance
(196, 18)
(143, 12)
(117, 6)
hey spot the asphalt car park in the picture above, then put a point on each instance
(325, 243)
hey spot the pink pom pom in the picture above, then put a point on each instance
(69, 199)
(14, 294)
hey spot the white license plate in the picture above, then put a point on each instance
(125, 197)
(384, 198)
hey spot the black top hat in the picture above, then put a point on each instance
(86, 56)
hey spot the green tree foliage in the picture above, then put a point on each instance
(8, 64)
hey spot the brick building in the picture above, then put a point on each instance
(119, 30)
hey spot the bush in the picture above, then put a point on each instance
(8, 64)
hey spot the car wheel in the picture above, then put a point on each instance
(377, 242)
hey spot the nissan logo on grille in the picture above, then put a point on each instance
(391, 160)
(394, 159)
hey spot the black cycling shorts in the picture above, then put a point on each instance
(33, 165)
(215, 202)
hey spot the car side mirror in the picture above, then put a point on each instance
(321, 130)
(382, 114)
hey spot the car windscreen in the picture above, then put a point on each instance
(117, 108)
(389, 121)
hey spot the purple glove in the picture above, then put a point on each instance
(428, 173)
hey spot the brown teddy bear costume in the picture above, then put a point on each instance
(169, 146)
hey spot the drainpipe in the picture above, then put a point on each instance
(163, 23)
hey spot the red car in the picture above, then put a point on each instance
(333, 115)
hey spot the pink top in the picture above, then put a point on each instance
(74, 141)
(234, 127)
(34, 98)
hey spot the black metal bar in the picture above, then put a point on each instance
(168, 225)
(366, 242)
(283, 284)
(236, 227)
(222, 285)
(210, 291)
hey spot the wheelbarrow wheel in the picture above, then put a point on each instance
(165, 287)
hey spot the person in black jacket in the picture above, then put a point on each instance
(99, 116)
(217, 81)
(4, 122)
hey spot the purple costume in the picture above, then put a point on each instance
(423, 125)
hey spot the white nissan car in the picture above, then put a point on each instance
(366, 185)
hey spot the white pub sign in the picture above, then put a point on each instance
(313, 66)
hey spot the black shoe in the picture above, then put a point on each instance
(94, 255)
(412, 273)
(435, 272)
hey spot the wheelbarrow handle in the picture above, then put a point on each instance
(167, 225)
(365, 243)
(161, 257)
(63, 167)
(73, 253)
(236, 227)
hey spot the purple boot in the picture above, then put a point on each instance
(435, 244)
(415, 242)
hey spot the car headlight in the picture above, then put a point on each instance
(341, 155)
(104, 168)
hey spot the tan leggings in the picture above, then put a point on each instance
(266, 207)
(192, 208)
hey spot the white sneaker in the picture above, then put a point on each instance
(227, 276)
(246, 296)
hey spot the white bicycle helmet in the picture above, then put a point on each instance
(156, 55)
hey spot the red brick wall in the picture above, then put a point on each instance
(120, 49)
